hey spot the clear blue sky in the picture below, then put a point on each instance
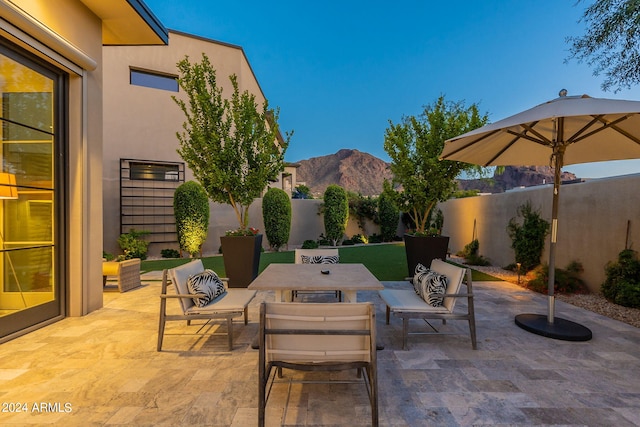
(340, 70)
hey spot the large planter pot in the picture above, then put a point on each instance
(241, 255)
(424, 249)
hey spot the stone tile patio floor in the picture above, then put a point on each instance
(103, 369)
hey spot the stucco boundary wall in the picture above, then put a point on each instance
(306, 224)
(592, 223)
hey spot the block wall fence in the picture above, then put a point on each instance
(597, 218)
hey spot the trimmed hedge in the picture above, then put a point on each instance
(276, 214)
(336, 213)
(389, 216)
(191, 210)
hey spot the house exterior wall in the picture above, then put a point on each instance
(592, 223)
(141, 122)
(74, 22)
(68, 34)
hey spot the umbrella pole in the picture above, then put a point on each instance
(551, 326)
(557, 181)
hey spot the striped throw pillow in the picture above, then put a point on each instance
(432, 288)
(207, 283)
(419, 273)
(320, 259)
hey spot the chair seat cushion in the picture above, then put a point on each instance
(399, 300)
(206, 283)
(233, 300)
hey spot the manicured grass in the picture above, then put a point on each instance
(386, 262)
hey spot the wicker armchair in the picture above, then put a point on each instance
(127, 273)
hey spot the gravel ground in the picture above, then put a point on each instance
(593, 302)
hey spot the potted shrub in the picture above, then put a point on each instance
(234, 149)
(420, 178)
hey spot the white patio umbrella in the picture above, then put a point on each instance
(566, 130)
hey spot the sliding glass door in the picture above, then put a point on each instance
(31, 289)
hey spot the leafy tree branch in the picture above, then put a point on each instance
(232, 145)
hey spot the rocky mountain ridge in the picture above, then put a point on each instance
(514, 177)
(353, 170)
(364, 173)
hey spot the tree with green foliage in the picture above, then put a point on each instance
(304, 192)
(232, 145)
(191, 210)
(420, 178)
(389, 216)
(276, 214)
(611, 44)
(336, 213)
(528, 238)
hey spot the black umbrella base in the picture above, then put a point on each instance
(560, 329)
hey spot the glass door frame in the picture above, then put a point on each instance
(31, 318)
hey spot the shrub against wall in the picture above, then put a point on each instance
(528, 238)
(336, 213)
(471, 254)
(191, 209)
(133, 245)
(388, 214)
(622, 285)
(567, 281)
(276, 214)
(362, 209)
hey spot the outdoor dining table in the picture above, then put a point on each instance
(284, 278)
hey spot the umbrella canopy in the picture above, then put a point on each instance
(565, 130)
(606, 129)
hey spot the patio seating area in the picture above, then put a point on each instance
(103, 369)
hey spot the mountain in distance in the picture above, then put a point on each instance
(514, 177)
(352, 170)
(364, 173)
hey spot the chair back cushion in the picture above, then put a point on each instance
(328, 347)
(179, 277)
(316, 256)
(454, 275)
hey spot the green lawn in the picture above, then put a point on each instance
(386, 262)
